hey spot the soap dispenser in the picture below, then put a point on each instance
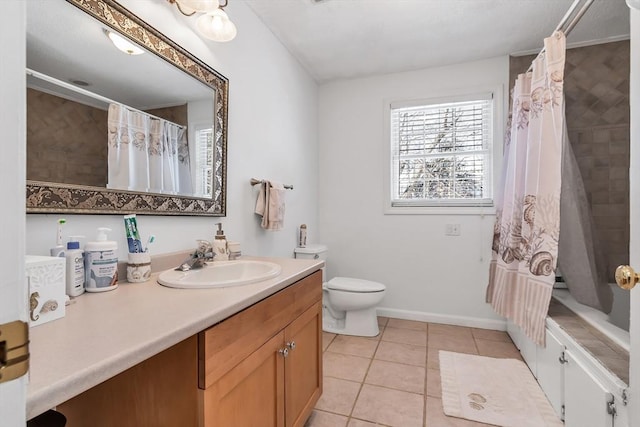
(220, 244)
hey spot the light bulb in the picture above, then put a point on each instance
(216, 26)
(123, 44)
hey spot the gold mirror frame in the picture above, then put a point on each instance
(47, 197)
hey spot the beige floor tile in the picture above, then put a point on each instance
(434, 386)
(338, 396)
(326, 419)
(382, 321)
(392, 407)
(449, 330)
(402, 353)
(355, 346)
(437, 418)
(405, 336)
(455, 343)
(345, 366)
(397, 376)
(326, 339)
(359, 423)
(407, 324)
(497, 349)
(490, 335)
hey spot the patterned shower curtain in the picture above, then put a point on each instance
(146, 153)
(525, 240)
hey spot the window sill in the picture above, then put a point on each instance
(440, 210)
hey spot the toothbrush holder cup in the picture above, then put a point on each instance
(138, 267)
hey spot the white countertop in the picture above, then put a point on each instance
(103, 334)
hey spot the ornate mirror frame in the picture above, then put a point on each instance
(46, 197)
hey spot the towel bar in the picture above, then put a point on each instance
(260, 181)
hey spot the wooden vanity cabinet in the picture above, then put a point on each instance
(259, 367)
(279, 377)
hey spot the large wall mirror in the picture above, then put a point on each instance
(110, 132)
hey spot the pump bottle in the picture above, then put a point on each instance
(220, 244)
(75, 267)
(101, 263)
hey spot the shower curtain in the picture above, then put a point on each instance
(526, 232)
(146, 153)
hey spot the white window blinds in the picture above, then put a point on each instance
(441, 153)
(204, 162)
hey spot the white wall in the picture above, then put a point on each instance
(272, 135)
(429, 276)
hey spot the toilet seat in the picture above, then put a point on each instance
(348, 284)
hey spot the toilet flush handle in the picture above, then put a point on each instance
(316, 256)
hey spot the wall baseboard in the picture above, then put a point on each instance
(448, 319)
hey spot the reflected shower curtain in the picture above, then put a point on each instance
(146, 153)
(526, 232)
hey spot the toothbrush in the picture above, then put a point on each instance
(150, 240)
(59, 238)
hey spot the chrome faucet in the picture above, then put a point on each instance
(198, 259)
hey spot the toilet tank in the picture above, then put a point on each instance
(313, 251)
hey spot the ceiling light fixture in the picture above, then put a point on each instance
(214, 24)
(123, 44)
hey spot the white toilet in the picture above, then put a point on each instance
(349, 305)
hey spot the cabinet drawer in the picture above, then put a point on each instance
(223, 346)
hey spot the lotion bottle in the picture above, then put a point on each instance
(220, 244)
(75, 267)
(101, 263)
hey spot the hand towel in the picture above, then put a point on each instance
(276, 206)
(270, 205)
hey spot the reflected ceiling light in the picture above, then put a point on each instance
(123, 44)
(214, 24)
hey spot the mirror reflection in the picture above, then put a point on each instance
(118, 120)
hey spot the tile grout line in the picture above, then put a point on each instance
(364, 378)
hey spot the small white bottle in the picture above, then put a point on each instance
(220, 245)
(101, 263)
(75, 267)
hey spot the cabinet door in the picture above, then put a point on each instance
(250, 394)
(550, 371)
(585, 398)
(303, 366)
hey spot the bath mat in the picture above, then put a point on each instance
(501, 392)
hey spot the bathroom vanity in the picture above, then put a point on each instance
(149, 355)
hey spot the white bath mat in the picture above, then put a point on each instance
(502, 392)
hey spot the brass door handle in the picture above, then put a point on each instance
(626, 277)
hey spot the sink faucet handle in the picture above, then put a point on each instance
(204, 249)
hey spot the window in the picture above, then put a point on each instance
(441, 152)
(203, 162)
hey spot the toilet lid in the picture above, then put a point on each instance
(354, 285)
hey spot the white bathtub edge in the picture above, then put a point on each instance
(595, 318)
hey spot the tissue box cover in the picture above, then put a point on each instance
(46, 278)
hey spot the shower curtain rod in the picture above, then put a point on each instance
(566, 18)
(88, 93)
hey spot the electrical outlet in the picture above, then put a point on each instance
(452, 230)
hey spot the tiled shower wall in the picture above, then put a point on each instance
(597, 114)
(67, 140)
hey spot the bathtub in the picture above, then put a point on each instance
(615, 325)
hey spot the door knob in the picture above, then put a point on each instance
(626, 278)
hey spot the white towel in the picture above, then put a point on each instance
(270, 205)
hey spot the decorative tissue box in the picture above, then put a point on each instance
(46, 276)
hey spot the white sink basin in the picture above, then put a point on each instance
(220, 274)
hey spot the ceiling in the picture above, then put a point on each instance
(338, 39)
(65, 43)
